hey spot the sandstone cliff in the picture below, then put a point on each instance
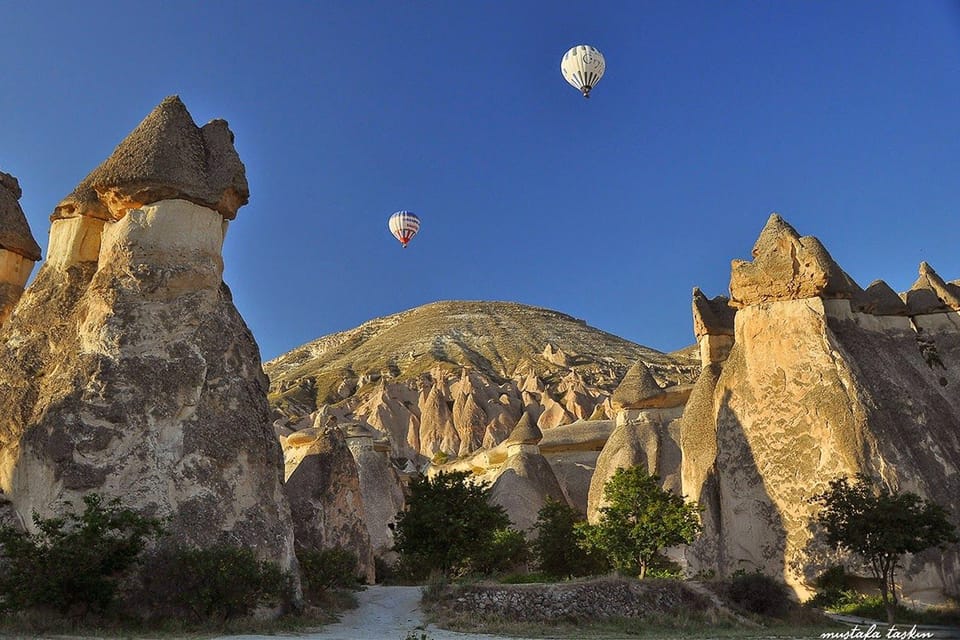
(125, 368)
(822, 379)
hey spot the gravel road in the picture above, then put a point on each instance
(382, 613)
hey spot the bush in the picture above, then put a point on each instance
(833, 590)
(760, 594)
(72, 564)
(327, 569)
(217, 583)
(506, 550)
(556, 548)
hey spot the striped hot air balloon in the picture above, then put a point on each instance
(404, 225)
(583, 66)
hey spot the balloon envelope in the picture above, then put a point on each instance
(583, 66)
(404, 225)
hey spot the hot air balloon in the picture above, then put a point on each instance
(583, 66)
(404, 225)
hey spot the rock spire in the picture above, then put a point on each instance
(126, 370)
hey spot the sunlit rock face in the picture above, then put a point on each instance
(126, 370)
(18, 250)
(525, 480)
(823, 379)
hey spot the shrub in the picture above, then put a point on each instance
(327, 569)
(73, 564)
(556, 547)
(833, 590)
(217, 583)
(760, 594)
(507, 549)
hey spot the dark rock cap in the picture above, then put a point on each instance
(880, 300)
(526, 432)
(637, 385)
(930, 294)
(712, 316)
(166, 156)
(15, 233)
(787, 267)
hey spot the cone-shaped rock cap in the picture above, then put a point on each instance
(526, 432)
(357, 430)
(787, 267)
(712, 316)
(167, 156)
(637, 385)
(15, 233)
(930, 294)
(880, 300)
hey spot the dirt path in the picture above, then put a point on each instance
(382, 613)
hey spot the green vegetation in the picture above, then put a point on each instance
(97, 572)
(75, 563)
(327, 569)
(760, 594)
(881, 526)
(449, 526)
(640, 519)
(557, 547)
(218, 583)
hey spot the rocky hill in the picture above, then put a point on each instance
(452, 377)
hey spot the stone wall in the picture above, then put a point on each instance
(596, 599)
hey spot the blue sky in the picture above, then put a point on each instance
(843, 116)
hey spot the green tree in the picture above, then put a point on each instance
(881, 526)
(73, 563)
(557, 548)
(448, 524)
(640, 519)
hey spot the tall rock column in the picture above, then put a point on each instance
(126, 370)
(713, 325)
(18, 250)
(825, 379)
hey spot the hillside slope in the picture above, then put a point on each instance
(456, 376)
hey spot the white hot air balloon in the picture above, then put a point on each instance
(404, 225)
(582, 67)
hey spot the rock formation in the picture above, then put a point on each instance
(125, 368)
(525, 480)
(451, 378)
(18, 250)
(449, 382)
(325, 496)
(647, 432)
(381, 487)
(822, 379)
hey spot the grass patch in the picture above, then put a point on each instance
(872, 608)
(525, 578)
(657, 626)
(37, 624)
